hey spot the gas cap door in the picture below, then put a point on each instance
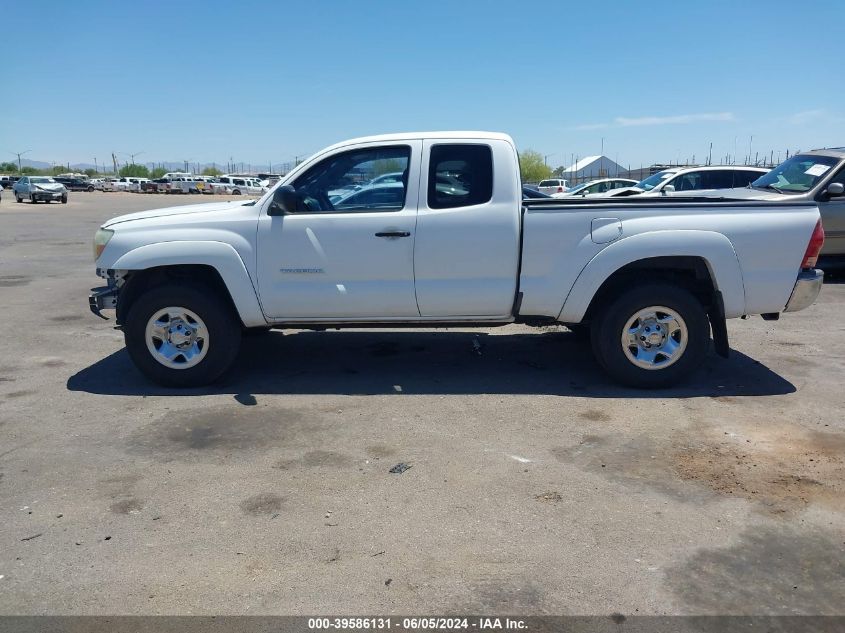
(604, 230)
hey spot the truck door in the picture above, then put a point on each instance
(347, 252)
(467, 245)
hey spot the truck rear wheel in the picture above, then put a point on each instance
(182, 336)
(651, 336)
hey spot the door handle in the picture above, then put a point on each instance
(393, 234)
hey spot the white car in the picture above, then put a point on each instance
(553, 186)
(39, 189)
(595, 187)
(455, 245)
(691, 179)
(237, 185)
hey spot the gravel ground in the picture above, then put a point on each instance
(535, 486)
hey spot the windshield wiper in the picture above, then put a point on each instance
(778, 189)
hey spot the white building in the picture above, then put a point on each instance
(592, 167)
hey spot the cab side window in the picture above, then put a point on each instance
(349, 181)
(687, 182)
(459, 176)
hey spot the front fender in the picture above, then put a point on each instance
(219, 255)
(714, 248)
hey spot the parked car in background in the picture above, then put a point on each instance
(594, 187)
(109, 184)
(7, 182)
(815, 176)
(39, 189)
(553, 186)
(395, 176)
(73, 183)
(679, 179)
(532, 193)
(242, 186)
(97, 183)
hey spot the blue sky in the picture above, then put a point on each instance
(267, 81)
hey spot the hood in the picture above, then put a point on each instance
(738, 193)
(620, 192)
(167, 211)
(49, 186)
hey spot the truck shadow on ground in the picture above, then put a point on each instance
(400, 362)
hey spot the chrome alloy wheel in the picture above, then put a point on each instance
(177, 338)
(655, 337)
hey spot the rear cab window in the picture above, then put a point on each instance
(459, 175)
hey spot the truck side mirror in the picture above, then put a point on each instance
(284, 201)
(834, 189)
(668, 189)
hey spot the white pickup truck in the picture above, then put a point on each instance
(451, 243)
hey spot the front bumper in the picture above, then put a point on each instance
(47, 195)
(102, 298)
(806, 290)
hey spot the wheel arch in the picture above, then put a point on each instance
(215, 264)
(702, 261)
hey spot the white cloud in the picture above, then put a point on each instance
(677, 119)
(674, 120)
(808, 116)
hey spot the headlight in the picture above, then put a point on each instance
(101, 238)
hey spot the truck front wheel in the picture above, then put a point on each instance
(651, 336)
(182, 336)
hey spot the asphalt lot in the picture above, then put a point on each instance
(535, 487)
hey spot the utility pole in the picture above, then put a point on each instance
(545, 159)
(132, 156)
(19, 154)
(710, 154)
(96, 171)
(114, 162)
(750, 141)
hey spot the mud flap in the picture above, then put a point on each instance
(716, 314)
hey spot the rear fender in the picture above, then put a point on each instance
(714, 248)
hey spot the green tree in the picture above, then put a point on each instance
(211, 171)
(90, 172)
(137, 171)
(158, 172)
(30, 171)
(9, 167)
(386, 166)
(532, 166)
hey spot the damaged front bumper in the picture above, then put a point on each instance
(104, 298)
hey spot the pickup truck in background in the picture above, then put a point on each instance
(452, 242)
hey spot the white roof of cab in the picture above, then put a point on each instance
(410, 136)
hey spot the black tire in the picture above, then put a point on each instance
(64, 198)
(607, 328)
(236, 192)
(18, 199)
(224, 330)
(32, 199)
(90, 188)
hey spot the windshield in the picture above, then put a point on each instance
(798, 174)
(655, 179)
(42, 180)
(550, 183)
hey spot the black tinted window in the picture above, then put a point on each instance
(719, 179)
(459, 176)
